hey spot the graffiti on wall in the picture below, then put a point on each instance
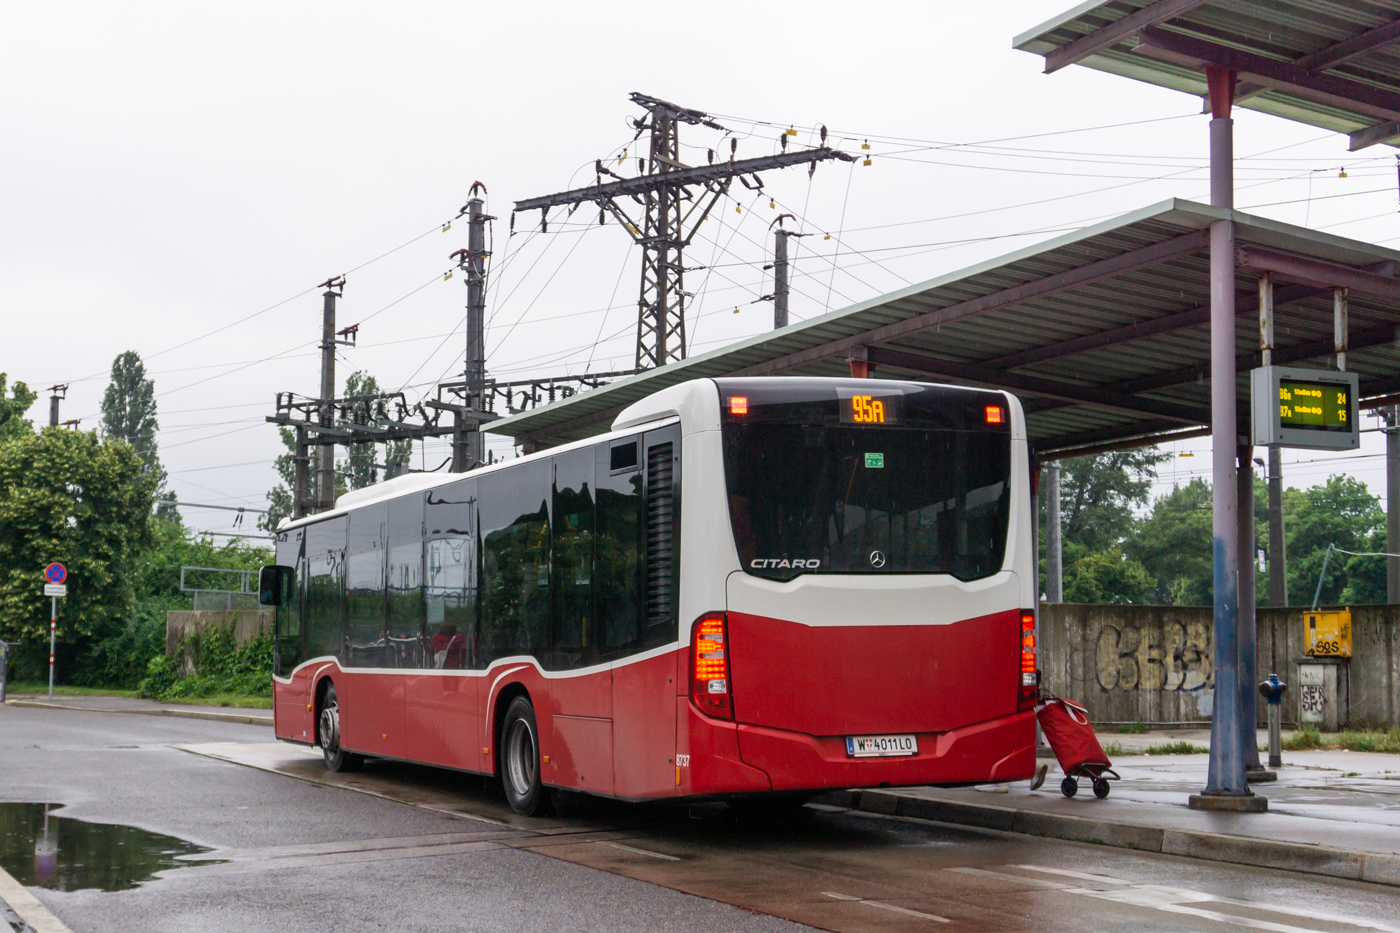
(1134, 657)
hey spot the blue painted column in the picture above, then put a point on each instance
(1226, 783)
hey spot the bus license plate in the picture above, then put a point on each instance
(880, 746)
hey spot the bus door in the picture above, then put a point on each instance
(639, 525)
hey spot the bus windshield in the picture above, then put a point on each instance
(869, 476)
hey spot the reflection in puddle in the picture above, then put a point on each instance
(60, 853)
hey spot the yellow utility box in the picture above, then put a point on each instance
(1329, 633)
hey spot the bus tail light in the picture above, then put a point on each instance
(1030, 677)
(710, 687)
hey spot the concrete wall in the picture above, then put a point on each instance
(1154, 664)
(247, 625)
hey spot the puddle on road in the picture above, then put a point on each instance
(60, 853)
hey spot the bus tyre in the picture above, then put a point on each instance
(520, 759)
(328, 732)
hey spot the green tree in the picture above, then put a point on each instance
(13, 407)
(1099, 496)
(1108, 577)
(1340, 512)
(1174, 545)
(69, 496)
(359, 469)
(129, 410)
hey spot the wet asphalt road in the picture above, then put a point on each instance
(300, 855)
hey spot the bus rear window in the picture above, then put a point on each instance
(813, 489)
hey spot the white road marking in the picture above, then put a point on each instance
(1174, 900)
(618, 845)
(1017, 879)
(883, 906)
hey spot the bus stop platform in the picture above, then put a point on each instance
(1332, 813)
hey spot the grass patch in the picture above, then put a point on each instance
(229, 699)
(1176, 748)
(1305, 739)
(1132, 728)
(1116, 750)
(1387, 741)
(14, 687)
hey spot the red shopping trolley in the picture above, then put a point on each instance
(1067, 730)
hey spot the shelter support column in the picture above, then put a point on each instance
(1391, 419)
(1054, 553)
(1226, 785)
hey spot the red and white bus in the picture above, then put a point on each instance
(746, 587)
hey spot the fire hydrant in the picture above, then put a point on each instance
(1272, 690)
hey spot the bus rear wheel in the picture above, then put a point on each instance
(520, 759)
(328, 732)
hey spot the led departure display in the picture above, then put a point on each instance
(1314, 405)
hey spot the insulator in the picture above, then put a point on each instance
(602, 217)
(711, 154)
(733, 146)
(512, 221)
(823, 134)
(641, 166)
(782, 142)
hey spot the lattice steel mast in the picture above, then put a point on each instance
(671, 215)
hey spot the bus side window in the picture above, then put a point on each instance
(325, 579)
(364, 587)
(287, 625)
(404, 584)
(451, 640)
(574, 644)
(617, 563)
(515, 545)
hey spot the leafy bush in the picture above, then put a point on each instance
(222, 666)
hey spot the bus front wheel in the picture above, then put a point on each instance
(520, 759)
(328, 732)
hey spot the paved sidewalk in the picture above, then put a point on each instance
(1330, 812)
(257, 717)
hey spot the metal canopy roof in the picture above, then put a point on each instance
(1102, 333)
(1334, 64)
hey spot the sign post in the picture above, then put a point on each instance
(54, 587)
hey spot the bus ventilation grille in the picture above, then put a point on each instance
(660, 535)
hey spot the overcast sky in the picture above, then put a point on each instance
(177, 178)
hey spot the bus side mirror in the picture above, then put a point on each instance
(270, 585)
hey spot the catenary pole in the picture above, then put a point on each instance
(325, 452)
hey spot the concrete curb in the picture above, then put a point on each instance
(1373, 867)
(28, 907)
(180, 713)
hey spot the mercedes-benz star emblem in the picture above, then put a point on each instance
(877, 559)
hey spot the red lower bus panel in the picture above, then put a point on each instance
(371, 712)
(442, 720)
(583, 754)
(644, 728)
(1000, 749)
(294, 721)
(712, 764)
(871, 680)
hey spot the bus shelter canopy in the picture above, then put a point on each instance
(1103, 333)
(1334, 65)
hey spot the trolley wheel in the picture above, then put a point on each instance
(1101, 788)
(520, 759)
(328, 732)
(1069, 786)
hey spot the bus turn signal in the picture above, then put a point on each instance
(709, 678)
(1030, 677)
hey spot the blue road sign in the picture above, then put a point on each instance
(55, 573)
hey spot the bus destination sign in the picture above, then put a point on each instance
(1309, 408)
(870, 408)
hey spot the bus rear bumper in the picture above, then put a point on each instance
(1000, 749)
